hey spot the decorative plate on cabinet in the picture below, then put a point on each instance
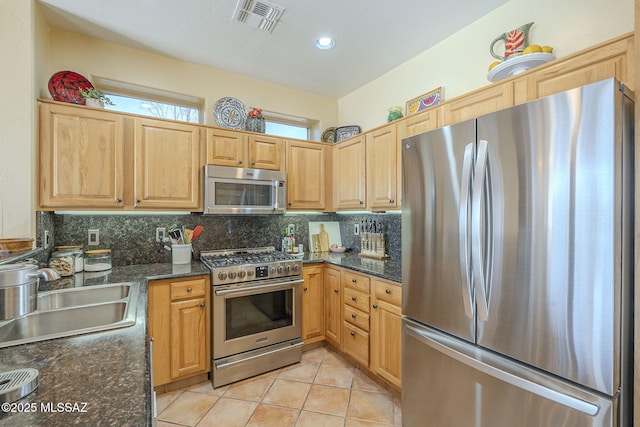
(230, 113)
(329, 135)
(517, 65)
(64, 86)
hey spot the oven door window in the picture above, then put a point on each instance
(243, 194)
(253, 314)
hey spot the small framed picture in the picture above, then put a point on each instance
(424, 101)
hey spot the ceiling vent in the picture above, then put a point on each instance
(258, 13)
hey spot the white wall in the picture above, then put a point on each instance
(17, 119)
(459, 64)
(95, 58)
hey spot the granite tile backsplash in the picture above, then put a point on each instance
(132, 237)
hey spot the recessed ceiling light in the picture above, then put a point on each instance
(325, 43)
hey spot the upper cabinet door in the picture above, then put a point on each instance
(349, 170)
(81, 158)
(306, 177)
(226, 147)
(167, 165)
(384, 177)
(265, 152)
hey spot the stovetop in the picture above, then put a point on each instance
(249, 264)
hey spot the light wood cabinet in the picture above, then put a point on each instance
(81, 158)
(384, 169)
(168, 165)
(92, 159)
(179, 324)
(235, 148)
(386, 331)
(418, 123)
(333, 305)
(307, 178)
(349, 166)
(313, 304)
(479, 102)
(355, 332)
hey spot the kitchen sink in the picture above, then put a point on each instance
(82, 296)
(76, 311)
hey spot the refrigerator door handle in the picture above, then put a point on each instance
(479, 279)
(432, 341)
(463, 231)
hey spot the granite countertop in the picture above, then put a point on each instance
(386, 269)
(93, 379)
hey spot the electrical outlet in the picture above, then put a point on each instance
(292, 229)
(160, 234)
(94, 237)
(356, 229)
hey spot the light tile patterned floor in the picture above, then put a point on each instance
(323, 390)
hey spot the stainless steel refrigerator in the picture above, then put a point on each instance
(517, 244)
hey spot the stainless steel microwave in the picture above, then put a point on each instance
(230, 190)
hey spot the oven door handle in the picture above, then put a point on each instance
(252, 289)
(222, 365)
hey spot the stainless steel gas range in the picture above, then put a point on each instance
(256, 322)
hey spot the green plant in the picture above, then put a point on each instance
(95, 94)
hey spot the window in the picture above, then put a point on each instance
(146, 101)
(147, 107)
(287, 126)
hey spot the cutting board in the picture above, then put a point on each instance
(326, 234)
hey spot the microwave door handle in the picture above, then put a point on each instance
(276, 202)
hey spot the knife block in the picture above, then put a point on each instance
(372, 245)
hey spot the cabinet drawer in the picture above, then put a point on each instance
(188, 289)
(356, 299)
(388, 292)
(356, 281)
(355, 343)
(356, 317)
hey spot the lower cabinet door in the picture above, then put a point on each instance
(188, 331)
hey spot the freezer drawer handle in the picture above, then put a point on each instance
(463, 230)
(532, 387)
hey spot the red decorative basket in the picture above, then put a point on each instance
(65, 86)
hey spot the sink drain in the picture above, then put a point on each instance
(17, 384)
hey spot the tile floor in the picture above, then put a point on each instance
(323, 390)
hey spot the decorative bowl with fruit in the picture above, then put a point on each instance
(336, 248)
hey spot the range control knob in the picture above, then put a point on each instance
(241, 274)
(295, 267)
(222, 275)
(250, 273)
(232, 275)
(279, 269)
(287, 268)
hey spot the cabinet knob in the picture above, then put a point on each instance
(118, 200)
(305, 289)
(239, 162)
(353, 315)
(138, 201)
(189, 289)
(361, 202)
(336, 291)
(253, 163)
(203, 305)
(289, 203)
(375, 305)
(391, 201)
(353, 334)
(353, 280)
(353, 298)
(387, 291)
